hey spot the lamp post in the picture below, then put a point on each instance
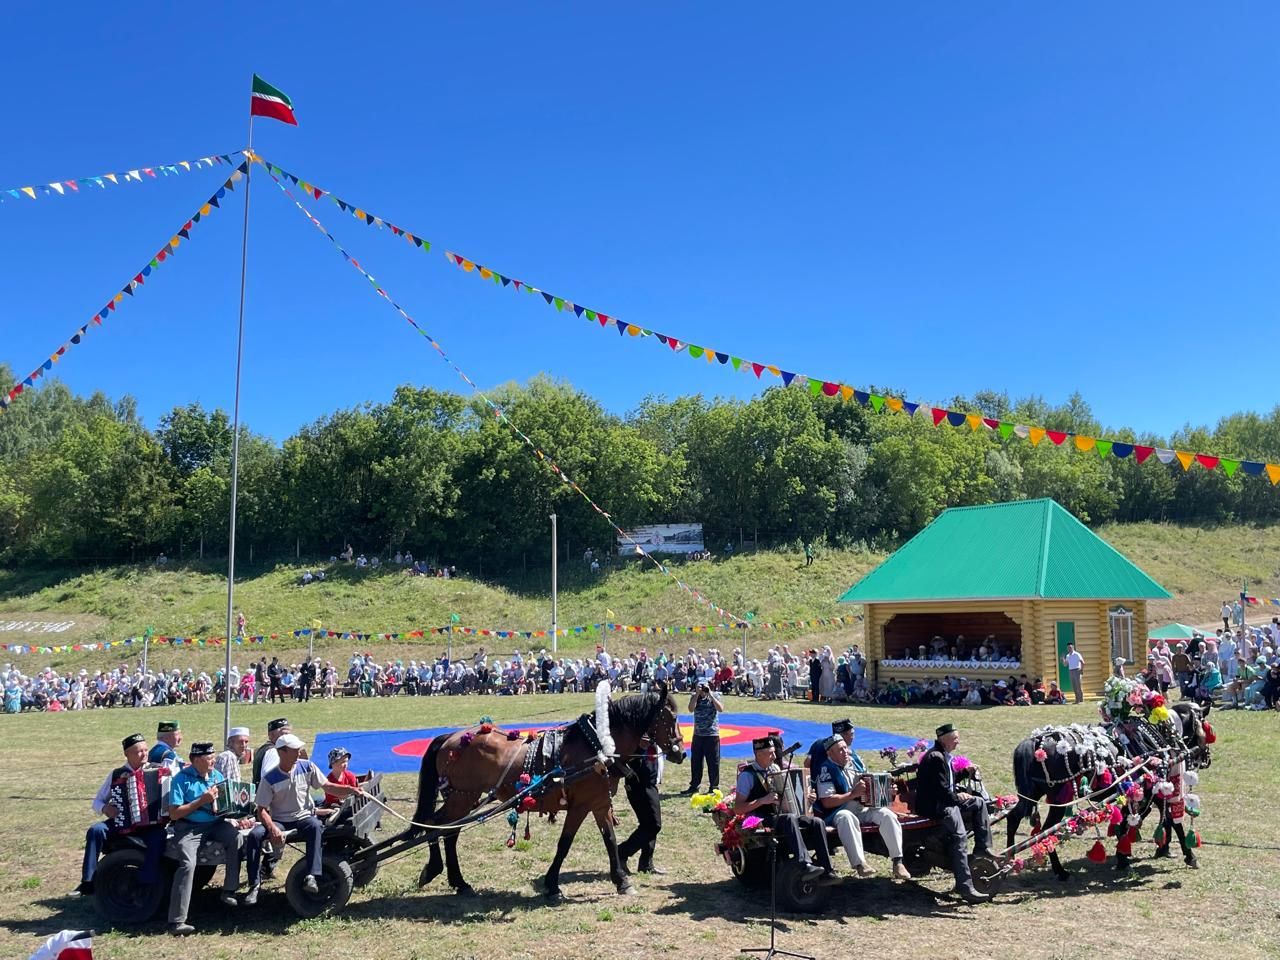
(554, 598)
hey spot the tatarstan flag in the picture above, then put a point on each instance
(268, 101)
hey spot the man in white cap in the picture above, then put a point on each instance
(228, 761)
(285, 802)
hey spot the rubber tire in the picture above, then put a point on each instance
(987, 874)
(750, 867)
(796, 895)
(335, 888)
(120, 898)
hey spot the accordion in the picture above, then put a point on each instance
(789, 786)
(879, 789)
(139, 798)
(235, 799)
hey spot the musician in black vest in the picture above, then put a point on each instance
(135, 755)
(937, 796)
(755, 795)
(641, 784)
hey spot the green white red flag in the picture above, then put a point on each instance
(269, 101)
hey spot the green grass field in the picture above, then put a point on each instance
(53, 763)
(1201, 566)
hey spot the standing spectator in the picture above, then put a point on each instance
(306, 677)
(705, 746)
(815, 675)
(1226, 615)
(240, 624)
(1227, 655)
(260, 678)
(274, 674)
(1075, 667)
(808, 554)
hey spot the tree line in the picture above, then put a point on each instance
(82, 478)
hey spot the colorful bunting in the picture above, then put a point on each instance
(496, 410)
(453, 628)
(139, 279)
(164, 169)
(817, 386)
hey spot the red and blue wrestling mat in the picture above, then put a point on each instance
(400, 751)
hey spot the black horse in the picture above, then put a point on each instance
(1072, 756)
(581, 764)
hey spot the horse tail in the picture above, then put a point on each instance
(428, 783)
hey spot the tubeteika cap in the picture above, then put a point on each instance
(202, 749)
(168, 726)
(943, 730)
(762, 743)
(840, 726)
(239, 732)
(132, 739)
(281, 724)
(831, 741)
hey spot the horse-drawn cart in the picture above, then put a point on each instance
(924, 848)
(122, 898)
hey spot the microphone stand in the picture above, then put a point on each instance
(772, 950)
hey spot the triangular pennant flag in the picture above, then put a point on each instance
(1230, 466)
(975, 422)
(876, 401)
(1164, 455)
(1084, 443)
(956, 418)
(1273, 471)
(909, 408)
(1252, 468)
(1005, 430)
(695, 350)
(1140, 453)
(1103, 447)
(938, 416)
(1056, 436)
(1121, 450)
(1206, 461)
(757, 369)
(1035, 435)
(815, 388)
(787, 377)
(893, 403)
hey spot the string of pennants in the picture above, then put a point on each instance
(139, 279)
(497, 411)
(128, 641)
(140, 175)
(322, 634)
(817, 386)
(1255, 602)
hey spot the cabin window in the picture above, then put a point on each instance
(1121, 634)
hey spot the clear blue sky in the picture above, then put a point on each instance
(934, 197)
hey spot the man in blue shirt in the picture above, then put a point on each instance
(164, 752)
(705, 745)
(193, 792)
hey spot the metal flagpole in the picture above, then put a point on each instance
(235, 453)
(555, 610)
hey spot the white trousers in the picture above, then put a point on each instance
(848, 823)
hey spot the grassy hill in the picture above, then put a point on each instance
(1202, 566)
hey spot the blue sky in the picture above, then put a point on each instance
(937, 198)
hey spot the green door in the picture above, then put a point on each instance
(1066, 632)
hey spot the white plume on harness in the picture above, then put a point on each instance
(607, 749)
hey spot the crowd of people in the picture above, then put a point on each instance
(1238, 667)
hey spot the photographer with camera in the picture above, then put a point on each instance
(705, 706)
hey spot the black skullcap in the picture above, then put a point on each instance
(943, 730)
(831, 741)
(275, 725)
(202, 749)
(762, 743)
(840, 726)
(131, 739)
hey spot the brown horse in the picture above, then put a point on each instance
(476, 766)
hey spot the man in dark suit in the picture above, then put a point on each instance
(937, 796)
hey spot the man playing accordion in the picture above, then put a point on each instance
(844, 800)
(756, 794)
(125, 799)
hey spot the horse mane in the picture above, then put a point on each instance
(636, 710)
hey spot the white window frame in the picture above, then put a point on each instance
(1120, 620)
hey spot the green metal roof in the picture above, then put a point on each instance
(1172, 631)
(1028, 549)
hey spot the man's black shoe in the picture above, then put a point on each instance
(650, 868)
(812, 872)
(181, 929)
(968, 894)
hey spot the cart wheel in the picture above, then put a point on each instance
(120, 894)
(334, 883)
(750, 867)
(798, 895)
(988, 874)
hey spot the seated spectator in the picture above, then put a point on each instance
(1054, 696)
(338, 773)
